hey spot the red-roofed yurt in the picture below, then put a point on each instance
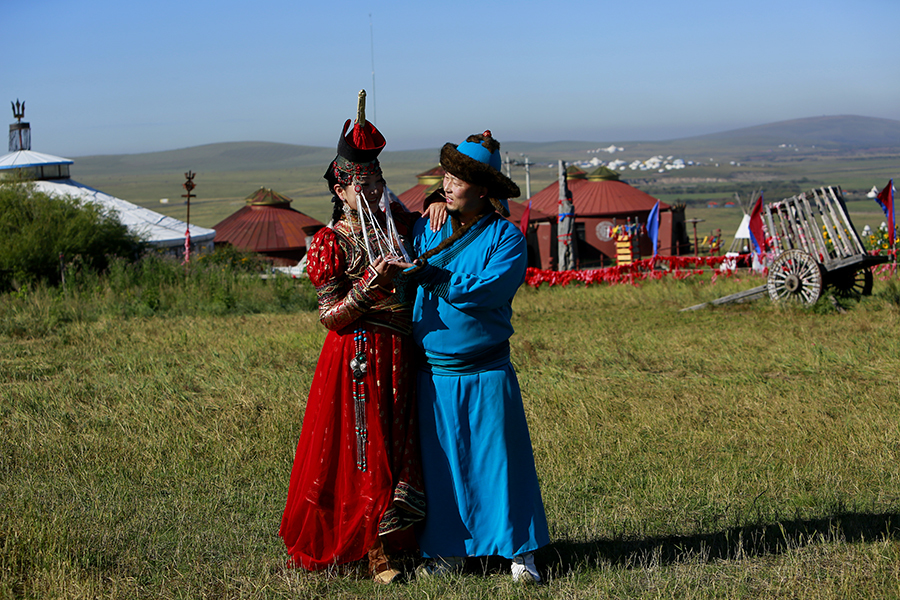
(541, 232)
(427, 182)
(268, 225)
(601, 202)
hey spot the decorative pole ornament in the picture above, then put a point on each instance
(566, 240)
(189, 185)
(18, 110)
(19, 132)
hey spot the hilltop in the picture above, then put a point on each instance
(846, 133)
(229, 156)
(835, 133)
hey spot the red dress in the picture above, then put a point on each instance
(357, 469)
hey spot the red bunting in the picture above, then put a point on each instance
(679, 267)
(886, 270)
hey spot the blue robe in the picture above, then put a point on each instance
(481, 487)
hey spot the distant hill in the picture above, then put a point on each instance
(845, 132)
(827, 134)
(824, 136)
(228, 156)
(851, 151)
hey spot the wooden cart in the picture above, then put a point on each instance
(817, 247)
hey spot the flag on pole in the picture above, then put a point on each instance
(187, 246)
(523, 225)
(757, 235)
(885, 198)
(653, 227)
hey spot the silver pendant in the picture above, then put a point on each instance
(358, 365)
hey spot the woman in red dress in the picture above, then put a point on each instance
(356, 476)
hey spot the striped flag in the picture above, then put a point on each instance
(187, 246)
(757, 235)
(885, 199)
(653, 227)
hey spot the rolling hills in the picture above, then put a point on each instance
(851, 151)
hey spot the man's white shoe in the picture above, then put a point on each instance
(523, 568)
(440, 566)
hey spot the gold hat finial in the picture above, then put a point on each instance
(361, 109)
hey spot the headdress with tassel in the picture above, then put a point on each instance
(357, 156)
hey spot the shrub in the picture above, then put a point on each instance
(38, 234)
(233, 258)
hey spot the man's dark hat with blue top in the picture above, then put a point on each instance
(477, 161)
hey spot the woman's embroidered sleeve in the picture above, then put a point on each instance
(342, 299)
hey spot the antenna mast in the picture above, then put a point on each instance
(372, 41)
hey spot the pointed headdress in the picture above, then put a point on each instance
(358, 148)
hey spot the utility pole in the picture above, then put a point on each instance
(520, 163)
(527, 178)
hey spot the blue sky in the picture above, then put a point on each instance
(113, 76)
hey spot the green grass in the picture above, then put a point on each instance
(744, 451)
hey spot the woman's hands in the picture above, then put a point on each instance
(436, 213)
(405, 265)
(386, 267)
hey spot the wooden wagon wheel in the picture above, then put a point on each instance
(795, 276)
(851, 283)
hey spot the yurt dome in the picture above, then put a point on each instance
(268, 225)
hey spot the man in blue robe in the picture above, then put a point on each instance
(481, 486)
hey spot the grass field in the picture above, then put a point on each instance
(746, 451)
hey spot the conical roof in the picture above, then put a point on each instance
(22, 159)
(428, 181)
(431, 176)
(267, 224)
(267, 197)
(607, 197)
(575, 172)
(602, 173)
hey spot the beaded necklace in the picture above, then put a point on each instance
(379, 241)
(359, 366)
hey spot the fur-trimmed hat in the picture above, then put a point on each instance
(477, 161)
(358, 150)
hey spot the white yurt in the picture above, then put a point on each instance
(50, 175)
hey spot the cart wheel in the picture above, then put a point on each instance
(795, 276)
(850, 283)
